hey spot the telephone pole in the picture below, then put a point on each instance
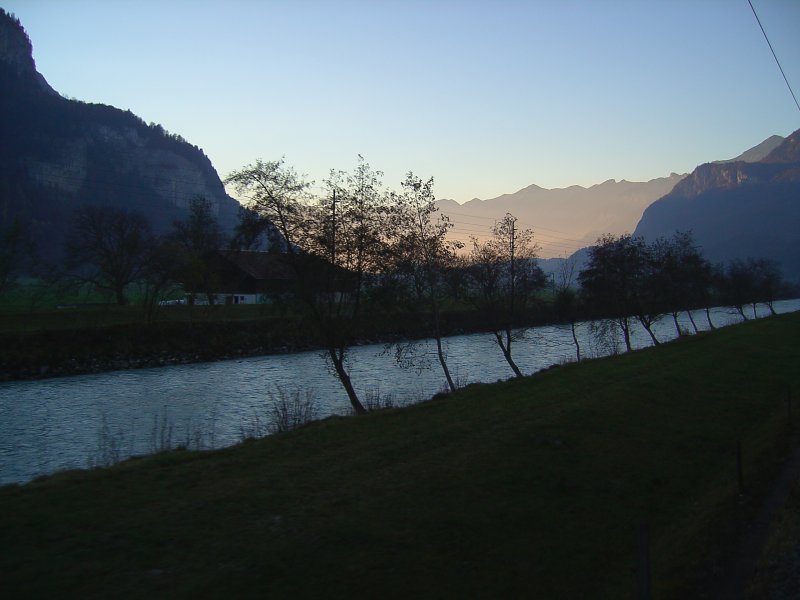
(333, 229)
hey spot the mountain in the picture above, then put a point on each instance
(57, 154)
(563, 219)
(737, 209)
(756, 153)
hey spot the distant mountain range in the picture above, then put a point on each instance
(56, 154)
(563, 219)
(748, 206)
(566, 219)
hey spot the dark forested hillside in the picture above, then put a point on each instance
(57, 154)
(737, 209)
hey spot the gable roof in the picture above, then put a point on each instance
(261, 266)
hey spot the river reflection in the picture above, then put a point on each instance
(74, 422)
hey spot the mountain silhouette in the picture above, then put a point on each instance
(57, 154)
(737, 209)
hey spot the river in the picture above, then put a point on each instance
(88, 420)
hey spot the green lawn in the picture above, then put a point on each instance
(526, 489)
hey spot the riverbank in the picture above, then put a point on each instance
(502, 490)
(71, 343)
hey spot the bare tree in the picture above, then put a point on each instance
(505, 276)
(422, 254)
(17, 253)
(751, 281)
(107, 248)
(197, 241)
(612, 279)
(739, 286)
(158, 275)
(334, 245)
(768, 282)
(277, 201)
(681, 276)
(566, 299)
(349, 229)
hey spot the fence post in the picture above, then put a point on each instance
(642, 563)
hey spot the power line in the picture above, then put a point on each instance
(791, 91)
(447, 212)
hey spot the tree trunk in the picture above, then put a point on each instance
(691, 319)
(119, 292)
(506, 348)
(437, 335)
(577, 345)
(677, 325)
(443, 362)
(708, 318)
(341, 372)
(647, 324)
(626, 332)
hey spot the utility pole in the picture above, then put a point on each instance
(513, 274)
(333, 230)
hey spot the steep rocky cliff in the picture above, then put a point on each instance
(57, 154)
(737, 209)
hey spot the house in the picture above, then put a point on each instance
(248, 277)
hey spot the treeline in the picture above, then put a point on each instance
(359, 247)
(113, 252)
(627, 279)
(361, 252)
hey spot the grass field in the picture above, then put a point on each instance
(531, 488)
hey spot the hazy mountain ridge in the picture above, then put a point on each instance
(738, 209)
(568, 216)
(58, 154)
(758, 152)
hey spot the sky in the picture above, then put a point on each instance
(487, 97)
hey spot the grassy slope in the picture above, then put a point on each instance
(529, 488)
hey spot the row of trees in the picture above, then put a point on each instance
(360, 247)
(626, 278)
(374, 246)
(360, 244)
(113, 250)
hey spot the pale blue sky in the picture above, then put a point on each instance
(488, 97)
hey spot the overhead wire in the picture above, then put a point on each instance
(775, 56)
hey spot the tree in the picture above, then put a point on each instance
(107, 248)
(348, 228)
(715, 291)
(751, 281)
(612, 280)
(566, 300)
(768, 282)
(681, 276)
(197, 242)
(17, 253)
(739, 286)
(334, 244)
(422, 255)
(277, 201)
(505, 277)
(158, 274)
